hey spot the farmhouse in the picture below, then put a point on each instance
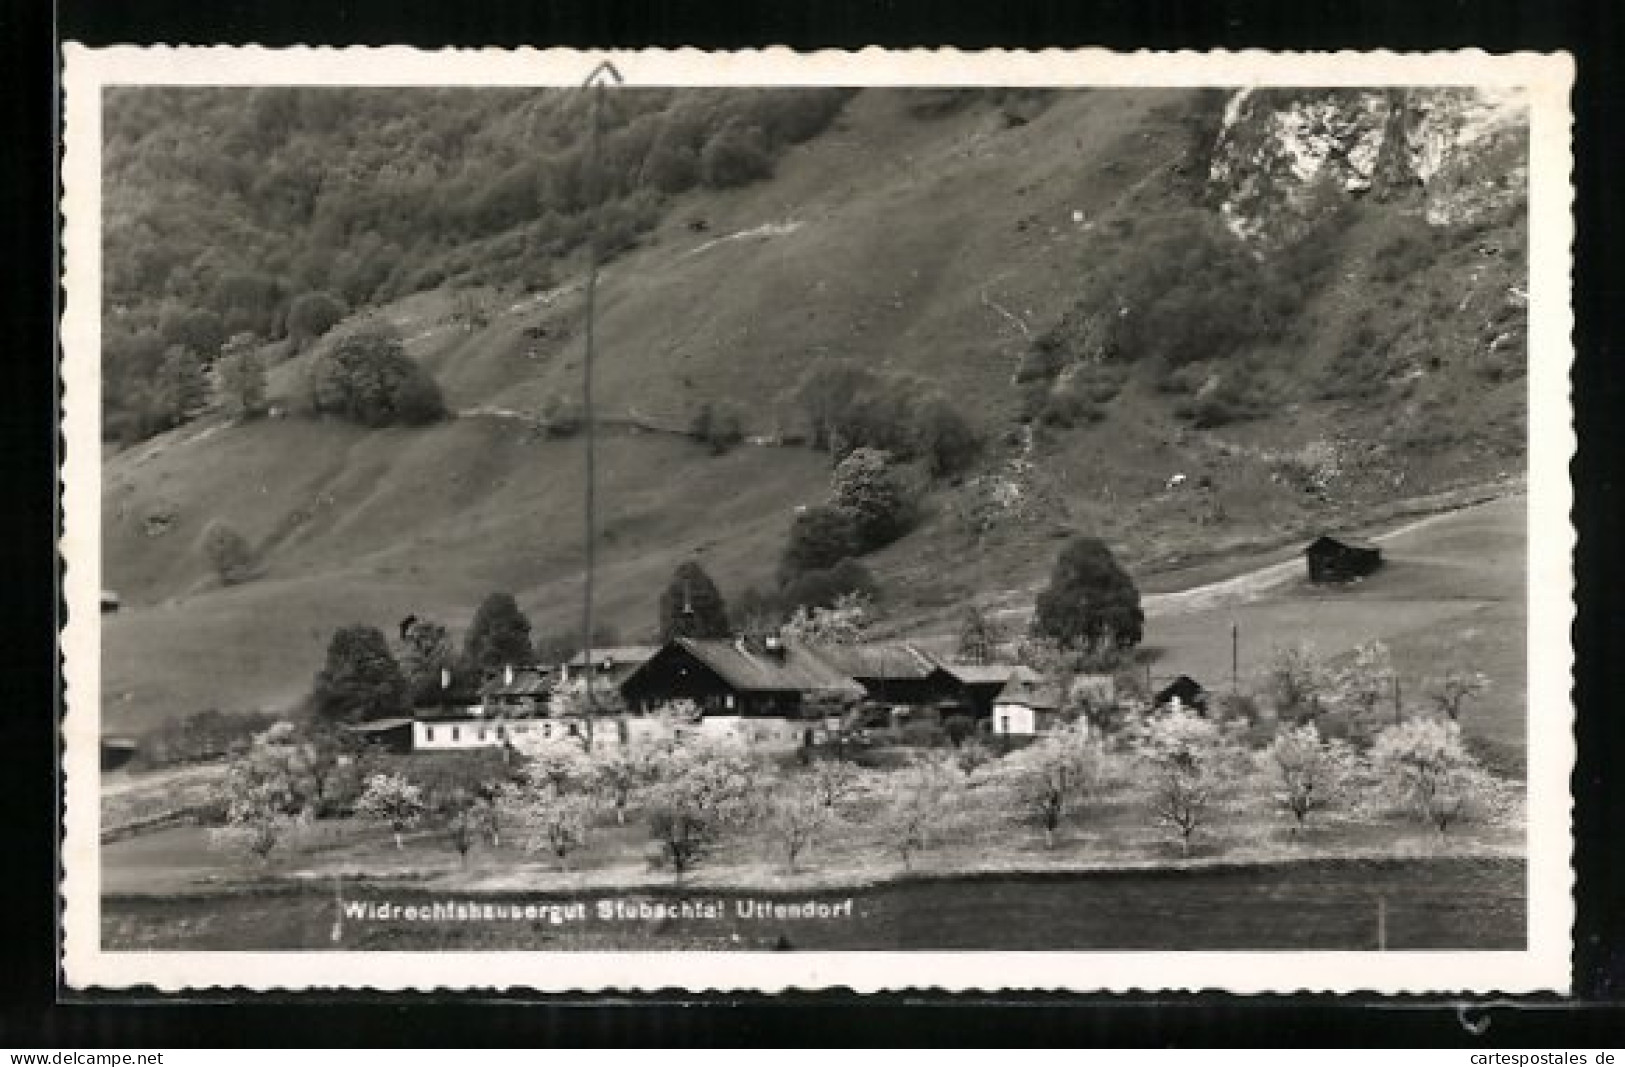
(1341, 559)
(611, 666)
(971, 688)
(517, 691)
(1182, 692)
(1024, 708)
(751, 678)
(472, 728)
(890, 673)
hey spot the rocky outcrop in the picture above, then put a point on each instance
(1283, 157)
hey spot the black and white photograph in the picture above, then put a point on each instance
(631, 520)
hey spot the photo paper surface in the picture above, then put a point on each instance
(586, 522)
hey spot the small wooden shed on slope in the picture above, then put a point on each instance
(1341, 559)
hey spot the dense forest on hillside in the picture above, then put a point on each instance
(273, 211)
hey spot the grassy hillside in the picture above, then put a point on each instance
(943, 242)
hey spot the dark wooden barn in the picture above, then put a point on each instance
(118, 752)
(890, 673)
(759, 678)
(971, 689)
(390, 735)
(1341, 559)
(1185, 689)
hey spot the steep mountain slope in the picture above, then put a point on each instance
(959, 243)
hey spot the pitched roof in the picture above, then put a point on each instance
(889, 660)
(991, 673)
(527, 682)
(620, 655)
(373, 726)
(1345, 542)
(1037, 694)
(798, 670)
(1182, 684)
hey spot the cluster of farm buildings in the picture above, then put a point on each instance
(781, 693)
(769, 691)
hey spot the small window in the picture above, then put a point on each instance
(428, 733)
(1004, 724)
(456, 733)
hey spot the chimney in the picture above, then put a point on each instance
(507, 675)
(774, 645)
(445, 677)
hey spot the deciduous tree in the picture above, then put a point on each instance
(1368, 679)
(312, 315)
(703, 789)
(1050, 779)
(267, 794)
(557, 822)
(796, 819)
(867, 487)
(180, 388)
(427, 661)
(1305, 772)
(360, 680)
(1457, 685)
(1090, 598)
(1189, 764)
(498, 637)
(947, 440)
(735, 155)
(619, 776)
(1297, 681)
(820, 537)
(392, 800)
(240, 374)
(558, 763)
(847, 623)
(980, 635)
(833, 781)
(368, 378)
(1425, 766)
(458, 811)
(228, 553)
(918, 805)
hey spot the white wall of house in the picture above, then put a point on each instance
(457, 734)
(608, 735)
(1014, 719)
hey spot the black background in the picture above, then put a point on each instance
(32, 1012)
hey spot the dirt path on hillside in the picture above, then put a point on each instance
(1242, 588)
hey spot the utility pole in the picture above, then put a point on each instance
(600, 76)
(1235, 657)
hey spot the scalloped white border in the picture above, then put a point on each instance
(1545, 965)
